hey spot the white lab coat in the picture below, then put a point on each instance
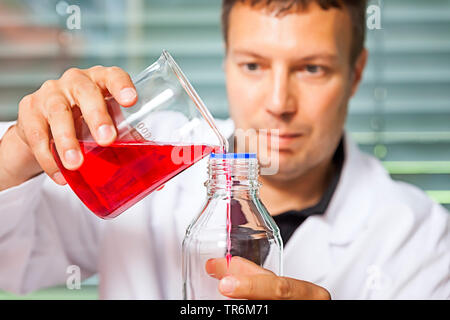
(378, 239)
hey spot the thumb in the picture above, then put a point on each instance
(270, 287)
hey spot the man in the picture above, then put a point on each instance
(349, 230)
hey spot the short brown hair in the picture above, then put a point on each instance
(357, 10)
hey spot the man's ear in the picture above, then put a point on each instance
(359, 69)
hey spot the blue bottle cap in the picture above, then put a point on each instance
(233, 155)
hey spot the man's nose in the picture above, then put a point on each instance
(281, 102)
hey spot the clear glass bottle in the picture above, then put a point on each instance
(233, 222)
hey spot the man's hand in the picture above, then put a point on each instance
(246, 280)
(51, 111)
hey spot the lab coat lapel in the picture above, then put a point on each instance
(349, 207)
(307, 254)
(310, 247)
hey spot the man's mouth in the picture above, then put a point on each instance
(290, 135)
(284, 139)
(287, 140)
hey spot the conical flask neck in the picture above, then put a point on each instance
(198, 102)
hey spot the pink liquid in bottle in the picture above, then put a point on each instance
(228, 222)
(112, 179)
(228, 255)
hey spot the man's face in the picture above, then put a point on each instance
(292, 73)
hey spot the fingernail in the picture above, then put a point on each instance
(73, 157)
(59, 178)
(211, 267)
(227, 284)
(105, 133)
(127, 95)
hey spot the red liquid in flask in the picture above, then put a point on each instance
(112, 179)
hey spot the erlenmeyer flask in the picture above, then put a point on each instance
(165, 132)
(233, 222)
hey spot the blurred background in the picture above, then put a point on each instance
(401, 113)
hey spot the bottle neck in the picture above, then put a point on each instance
(233, 176)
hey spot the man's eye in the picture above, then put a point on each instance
(313, 68)
(251, 66)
